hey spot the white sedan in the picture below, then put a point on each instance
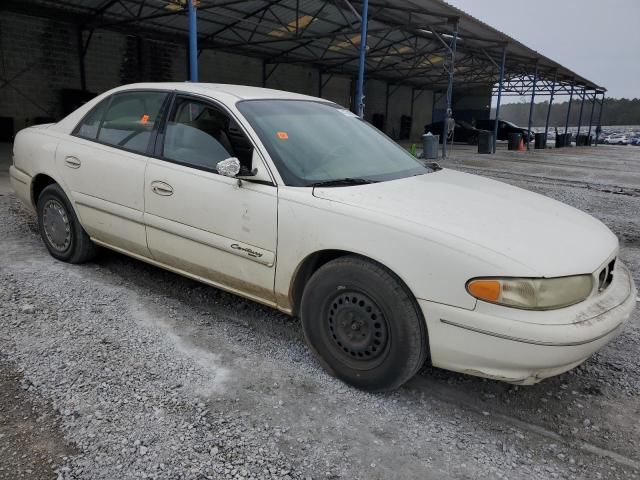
(294, 202)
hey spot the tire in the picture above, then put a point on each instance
(60, 229)
(363, 324)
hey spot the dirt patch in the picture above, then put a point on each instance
(31, 444)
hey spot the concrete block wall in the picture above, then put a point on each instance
(375, 92)
(294, 78)
(105, 61)
(468, 105)
(115, 59)
(472, 105)
(35, 65)
(221, 67)
(337, 89)
(399, 104)
(422, 105)
(39, 58)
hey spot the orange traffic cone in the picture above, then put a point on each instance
(521, 145)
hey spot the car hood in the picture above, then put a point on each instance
(544, 236)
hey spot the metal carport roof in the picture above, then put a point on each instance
(408, 40)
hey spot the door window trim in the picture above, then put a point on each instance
(156, 126)
(156, 150)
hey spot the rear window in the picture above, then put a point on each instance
(130, 119)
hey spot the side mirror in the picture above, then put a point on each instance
(258, 172)
(229, 167)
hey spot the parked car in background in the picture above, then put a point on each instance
(616, 139)
(635, 141)
(297, 203)
(464, 131)
(504, 129)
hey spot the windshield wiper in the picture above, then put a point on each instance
(342, 182)
(432, 165)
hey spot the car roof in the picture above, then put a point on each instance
(225, 93)
(217, 90)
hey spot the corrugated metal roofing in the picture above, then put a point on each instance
(406, 40)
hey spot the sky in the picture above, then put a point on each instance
(598, 40)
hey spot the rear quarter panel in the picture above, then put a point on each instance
(34, 152)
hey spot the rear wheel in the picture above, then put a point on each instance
(60, 229)
(363, 324)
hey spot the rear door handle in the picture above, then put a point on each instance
(161, 188)
(72, 162)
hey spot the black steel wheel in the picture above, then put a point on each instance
(358, 329)
(363, 324)
(60, 229)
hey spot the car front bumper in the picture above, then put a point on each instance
(522, 352)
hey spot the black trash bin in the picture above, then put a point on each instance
(568, 139)
(563, 140)
(540, 141)
(514, 141)
(581, 140)
(485, 141)
(430, 146)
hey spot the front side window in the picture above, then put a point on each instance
(130, 119)
(200, 135)
(313, 142)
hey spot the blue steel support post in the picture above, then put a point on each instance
(448, 113)
(533, 98)
(500, 85)
(193, 42)
(584, 93)
(363, 55)
(566, 125)
(593, 105)
(546, 125)
(600, 118)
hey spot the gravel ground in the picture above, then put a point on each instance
(139, 373)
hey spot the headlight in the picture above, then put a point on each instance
(532, 293)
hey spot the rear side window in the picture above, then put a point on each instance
(90, 124)
(130, 119)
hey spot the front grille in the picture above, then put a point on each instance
(605, 277)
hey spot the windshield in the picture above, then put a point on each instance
(313, 142)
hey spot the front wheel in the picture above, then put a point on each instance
(363, 324)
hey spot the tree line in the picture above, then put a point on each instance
(617, 111)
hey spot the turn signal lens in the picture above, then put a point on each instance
(488, 290)
(532, 293)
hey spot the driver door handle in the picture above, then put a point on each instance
(161, 188)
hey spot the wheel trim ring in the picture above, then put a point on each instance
(337, 349)
(56, 225)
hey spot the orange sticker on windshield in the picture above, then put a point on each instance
(144, 119)
(283, 135)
